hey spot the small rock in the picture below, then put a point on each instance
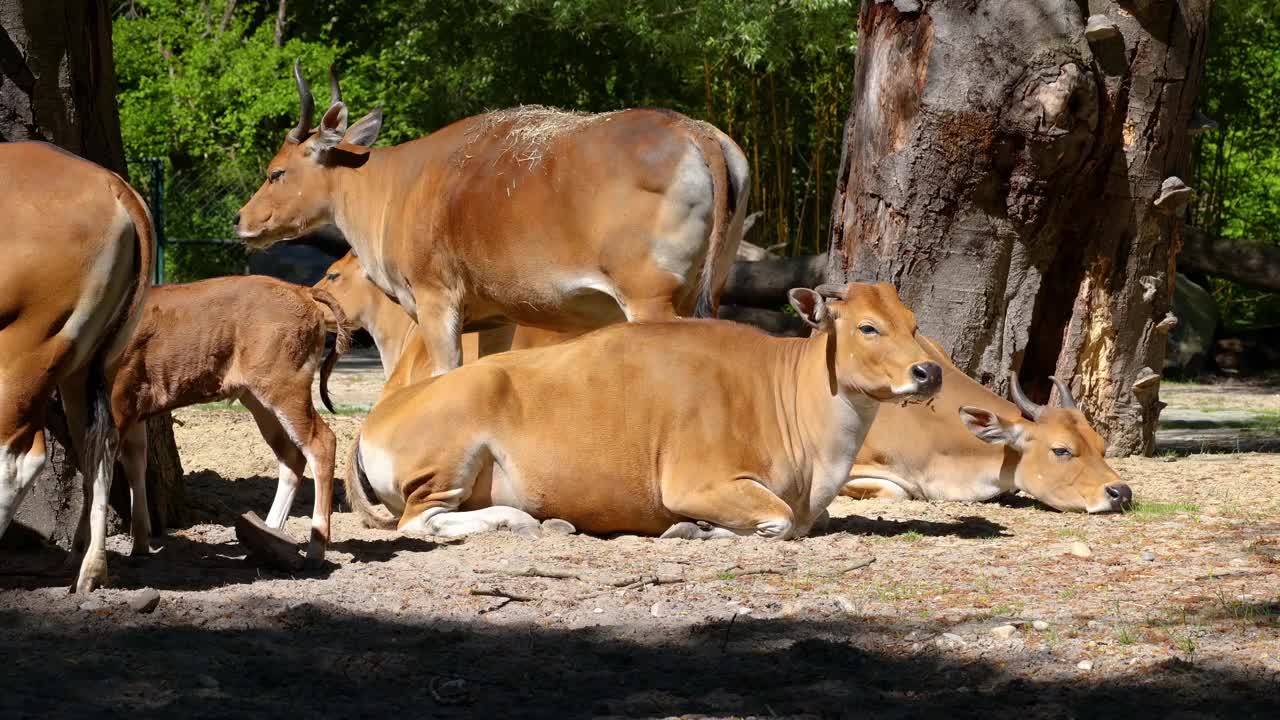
(1079, 549)
(1004, 631)
(556, 526)
(844, 604)
(1085, 665)
(1147, 556)
(1239, 561)
(146, 601)
(1040, 625)
(744, 611)
(207, 681)
(598, 610)
(658, 610)
(92, 605)
(950, 640)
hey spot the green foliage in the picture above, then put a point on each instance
(215, 102)
(1237, 167)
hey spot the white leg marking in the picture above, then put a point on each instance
(442, 523)
(93, 569)
(286, 489)
(17, 471)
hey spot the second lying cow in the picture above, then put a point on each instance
(651, 427)
(969, 444)
(253, 339)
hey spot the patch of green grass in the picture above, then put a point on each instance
(1259, 420)
(727, 575)
(911, 536)
(1071, 533)
(1155, 509)
(340, 409)
(1125, 637)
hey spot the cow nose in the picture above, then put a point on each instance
(236, 220)
(1119, 494)
(928, 376)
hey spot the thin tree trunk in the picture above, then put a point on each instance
(59, 86)
(1001, 169)
(280, 24)
(227, 14)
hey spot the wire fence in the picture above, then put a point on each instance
(193, 211)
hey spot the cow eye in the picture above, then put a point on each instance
(275, 175)
(1062, 452)
(868, 329)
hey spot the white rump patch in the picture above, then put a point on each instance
(379, 468)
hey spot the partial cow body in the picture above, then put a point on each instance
(77, 267)
(968, 444)
(750, 433)
(253, 339)
(555, 220)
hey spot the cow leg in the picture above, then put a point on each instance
(97, 479)
(21, 459)
(321, 449)
(741, 505)
(133, 457)
(868, 482)
(440, 324)
(292, 462)
(456, 524)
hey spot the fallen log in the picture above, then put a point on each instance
(765, 283)
(773, 322)
(1247, 262)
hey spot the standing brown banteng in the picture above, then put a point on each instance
(253, 339)
(78, 248)
(531, 216)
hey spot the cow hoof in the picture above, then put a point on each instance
(532, 532)
(93, 575)
(682, 531)
(556, 526)
(315, 556)
(775, 529)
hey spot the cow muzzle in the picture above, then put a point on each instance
(927, 377)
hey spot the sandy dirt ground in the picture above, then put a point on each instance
(897, 610)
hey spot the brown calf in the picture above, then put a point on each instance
(253, 339)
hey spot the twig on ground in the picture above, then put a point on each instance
(500, 593)
(533, 571)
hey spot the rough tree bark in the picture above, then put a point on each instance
(1000, 166)
(58, 85)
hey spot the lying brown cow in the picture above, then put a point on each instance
(969, 444)
(253, 339)
(550, 219)
(651, 427)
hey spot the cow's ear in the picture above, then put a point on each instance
(364, 132)
(333, 125)
(811, 308)
(989, 427)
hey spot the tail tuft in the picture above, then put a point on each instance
(358, 491)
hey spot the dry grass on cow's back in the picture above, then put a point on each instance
(1181, 598)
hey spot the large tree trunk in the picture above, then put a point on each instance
(59, 86)
(1001, 169)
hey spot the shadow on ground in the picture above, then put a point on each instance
(314, 659)
(971, 527)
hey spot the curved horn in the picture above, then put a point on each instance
(1027, 407)
(840, 292)
(335, 92)
(1064, 394)
(307, 106)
